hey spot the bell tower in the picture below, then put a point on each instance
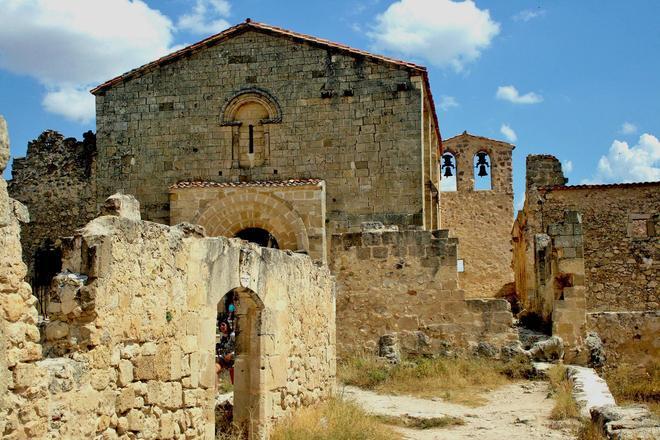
(476, 205)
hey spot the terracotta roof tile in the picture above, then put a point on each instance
(599, 186)
(254, 183)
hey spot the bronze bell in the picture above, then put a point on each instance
(482, 163)
(447, 165)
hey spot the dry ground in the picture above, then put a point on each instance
(516, 411)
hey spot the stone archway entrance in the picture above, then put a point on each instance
(246, 213)
(259, 236)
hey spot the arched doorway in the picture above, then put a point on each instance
(239, 311)
(259, 236)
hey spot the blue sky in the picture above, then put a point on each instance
(577, 79)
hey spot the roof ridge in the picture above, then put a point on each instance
(227, 33)
(465, 133)
(597, 185)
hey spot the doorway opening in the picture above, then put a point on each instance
(238, 360)
(259, 236)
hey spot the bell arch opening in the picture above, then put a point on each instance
(259, 236)
(482, 172)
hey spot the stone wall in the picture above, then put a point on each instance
(292, 211)
(353, 121)
(406, 282)
(481, 219)
(621, 242)
(137, 306)
(130, 347)
(55, 180)
(22, 390)
(628, 337)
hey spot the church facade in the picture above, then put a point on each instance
(273, 136)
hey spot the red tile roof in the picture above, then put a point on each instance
(254, 183)
(599, 186)
(277, 31)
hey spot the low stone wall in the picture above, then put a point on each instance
(406, 282)
(138, 308)
(628, 337)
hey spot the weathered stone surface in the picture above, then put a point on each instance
(122, 205)
(627, 422)
(549, 350)
(4, 144)
(481, 220)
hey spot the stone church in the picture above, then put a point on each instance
(302, 144)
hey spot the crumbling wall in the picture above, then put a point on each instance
(137, 308)
(23, 392)
(406, 282)
(481, 219)
(628, 337)
(621, 241)
(56, 181)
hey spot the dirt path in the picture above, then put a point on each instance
(517, 411)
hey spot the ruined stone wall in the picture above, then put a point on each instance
(628, 337)
(22, 390)
(294, 213)
(56, 182)
(139, 311)
(482, 219)
(406, 282)
(621, 242)
(351, 121)
(130, 348)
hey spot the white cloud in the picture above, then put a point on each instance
(567, 166)
(443, 32)
(206, 17)
(447, 102)
(623, 163)
(529, 14)
(72, 103)
(628, 128)
(508, 133)
(71, 45)
(511, 94)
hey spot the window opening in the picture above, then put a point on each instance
(251, 147)
(482, 171)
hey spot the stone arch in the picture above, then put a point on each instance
(238, 211)
(248, 115)
(484, 182)
(251, 95)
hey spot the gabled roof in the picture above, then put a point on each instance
(249, 25)
(473, 136)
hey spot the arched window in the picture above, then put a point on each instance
(249, 113)
(449, 171)
(482, 171)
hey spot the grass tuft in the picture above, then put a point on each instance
(459, 380)
(562, 391)
(590, 430)
(421, 423)
(630, 384)
(336, 419)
